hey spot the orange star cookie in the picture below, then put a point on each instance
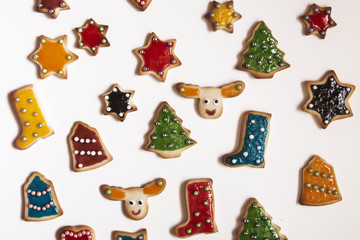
(223, 16)
(52, 7)
(53, 56)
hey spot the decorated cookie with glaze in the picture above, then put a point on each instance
(318, 20)
(118, 102)
(52, 7)
(41, 203)
(142, 5)
(200, 208)
(92, 36)
(87, 149)
(168, 138)
(32, 120)
(262, 58)
(120, 235)
(211, 98)
(254, 136)
(135, 198)
(53, 56)
(319, 186)
(257, 224)
(223, 16)
(328, 99)
(157, 57)
(82, 232)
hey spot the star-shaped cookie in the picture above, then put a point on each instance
(157, 57)
(318, 21)
(119, 102)
(52, 7)
(141, 4)
(223, 16)
(92, 36)
(329, 99)
(53, 56)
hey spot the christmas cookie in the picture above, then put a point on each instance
(254, 136)
(136, 198)
(77, 233)
(41, 203)
(257, 224)
(168, 138)
(141, 4)
(119, 102)
(87, 149)
(223, 16)
(52, 7)
(319, 185)
(262, 58)
(92, 36)
(157, 57)
(200, 208)
(318, 21)
(120, 235)
(34, 125)
(211, 98)
(53, 56)
(328, 99)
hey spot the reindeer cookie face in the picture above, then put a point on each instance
(136, 203)
(211, 98)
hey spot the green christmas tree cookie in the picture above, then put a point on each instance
(262, 58)
(168, 138)
(257, 224)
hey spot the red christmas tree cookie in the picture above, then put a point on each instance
(200, 208)
(77, 233)
(319, 184)
(87, 149)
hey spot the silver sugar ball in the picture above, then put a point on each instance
(157, 124)
(188, 141)
(173, 61)
(322, 32)
(259, 62)
(160, 73)
(311, 30)
(154, 39)
(152, 146)
(229, 25)
(251, 56)
(254, 44)
(170, 145)
(145, 69)
(229, 6)
(154, 137)
(173, 131)
(169, 44)
(328, 11)
(164, 135)
(212, 15)
(235, 15)
(316, 9)
(307, 17)
(141, 51)
(62, 4)
(216, 24)
(51, 11)
(40, 5)
(247, 65)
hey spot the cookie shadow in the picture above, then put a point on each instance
(184, 212)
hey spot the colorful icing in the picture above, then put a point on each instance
(263, 56)
(157, 57)
(254, 140)
(319, 183)
(200, 204)
(329, 99)
(52, 7)
(257, 224)
(53, 56)
(141, 4)
(92, 36)
(318, 20)
(34, 125)
(168, 133)
(88, 149)
(84, 234)
(123, 237)
(118, 102)
(223, 16)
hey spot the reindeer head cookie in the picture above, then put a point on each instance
(136, 203)
(210, 98)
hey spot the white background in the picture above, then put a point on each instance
(209, 59)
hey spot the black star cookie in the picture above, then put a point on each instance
(329, 99)
(119, 102)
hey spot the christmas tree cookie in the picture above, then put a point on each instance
(200, 207)
(319, 185)
(52, 7)
(41, 203)
(168, 138)
(257, 224)
(120, 235)
(262, 58)
(87, 149)
(223, 16)
(254, 136)
(77, 233)
(34, 125)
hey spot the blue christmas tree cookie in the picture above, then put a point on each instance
(140, 235)
(41, 203)
(254, 136)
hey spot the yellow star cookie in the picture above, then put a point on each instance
(223, 16)
(53, 56)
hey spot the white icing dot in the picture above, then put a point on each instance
(76, 152)
(82, 152)
(311, 105)
(326, 121)
(253, 121)
(82, 140)
(108, 109)
(127, 95)
(93, 153)
(314, 87)
(17, 99)
(251, 136)
(258, 147)
(106, 97)
(115, 90)
(121, 114)
(257, 161)
(80, 165)
(245, 154)
(87, 140)
(348, 89)
(88, 152)
(234, 161)
(99, 153)
(128, 107)
(93, 141)
(262, 129)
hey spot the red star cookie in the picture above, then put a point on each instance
(92, 36)
(318, 21)
(157, 57)
(52, 7)
(53, 56)
(141, 4)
